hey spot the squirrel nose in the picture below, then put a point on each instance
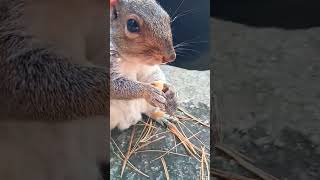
(169, 58)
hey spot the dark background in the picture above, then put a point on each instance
(286, 14)
(193, 28)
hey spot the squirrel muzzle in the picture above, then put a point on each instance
(169, 57)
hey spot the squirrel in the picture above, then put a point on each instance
(140, 40)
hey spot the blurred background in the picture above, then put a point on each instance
(266, 95)
(286, 14)
(190, 27)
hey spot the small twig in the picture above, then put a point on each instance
(122, 158)
(258, 172)
(195, 136)
(193, 118)
(164, 132)
(228, 175)
(194, 146)
(183, 118)
(129, 151)
(221, 148)
(132, 166)
(165, 168)
(202, 174)
(140, 137)
(204, 165)
(167, 152)
(148, 132)
(184, 136)
(187, 144)
(144, 145)
(206, 162)
(160, 151)
(175, 142)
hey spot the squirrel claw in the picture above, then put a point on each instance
(163, 122)
(156, 97)
(171, 105)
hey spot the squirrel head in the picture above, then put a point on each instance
(141, 32)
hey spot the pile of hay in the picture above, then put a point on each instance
(148, 132)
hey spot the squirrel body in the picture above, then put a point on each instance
(141, 37)
(124, 113)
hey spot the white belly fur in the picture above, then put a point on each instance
(125, 113)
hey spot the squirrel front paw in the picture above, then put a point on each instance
(170, 94)
(171, 97)
(155, 97)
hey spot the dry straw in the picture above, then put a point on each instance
(149, 135)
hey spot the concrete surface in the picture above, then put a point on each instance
(267, 84)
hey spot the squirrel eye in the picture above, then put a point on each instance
(133, 26)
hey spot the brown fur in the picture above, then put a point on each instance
(139, 56)
(44, 74)
(154, 40)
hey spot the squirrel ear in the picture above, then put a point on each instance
(113, 2)
(113, 10)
